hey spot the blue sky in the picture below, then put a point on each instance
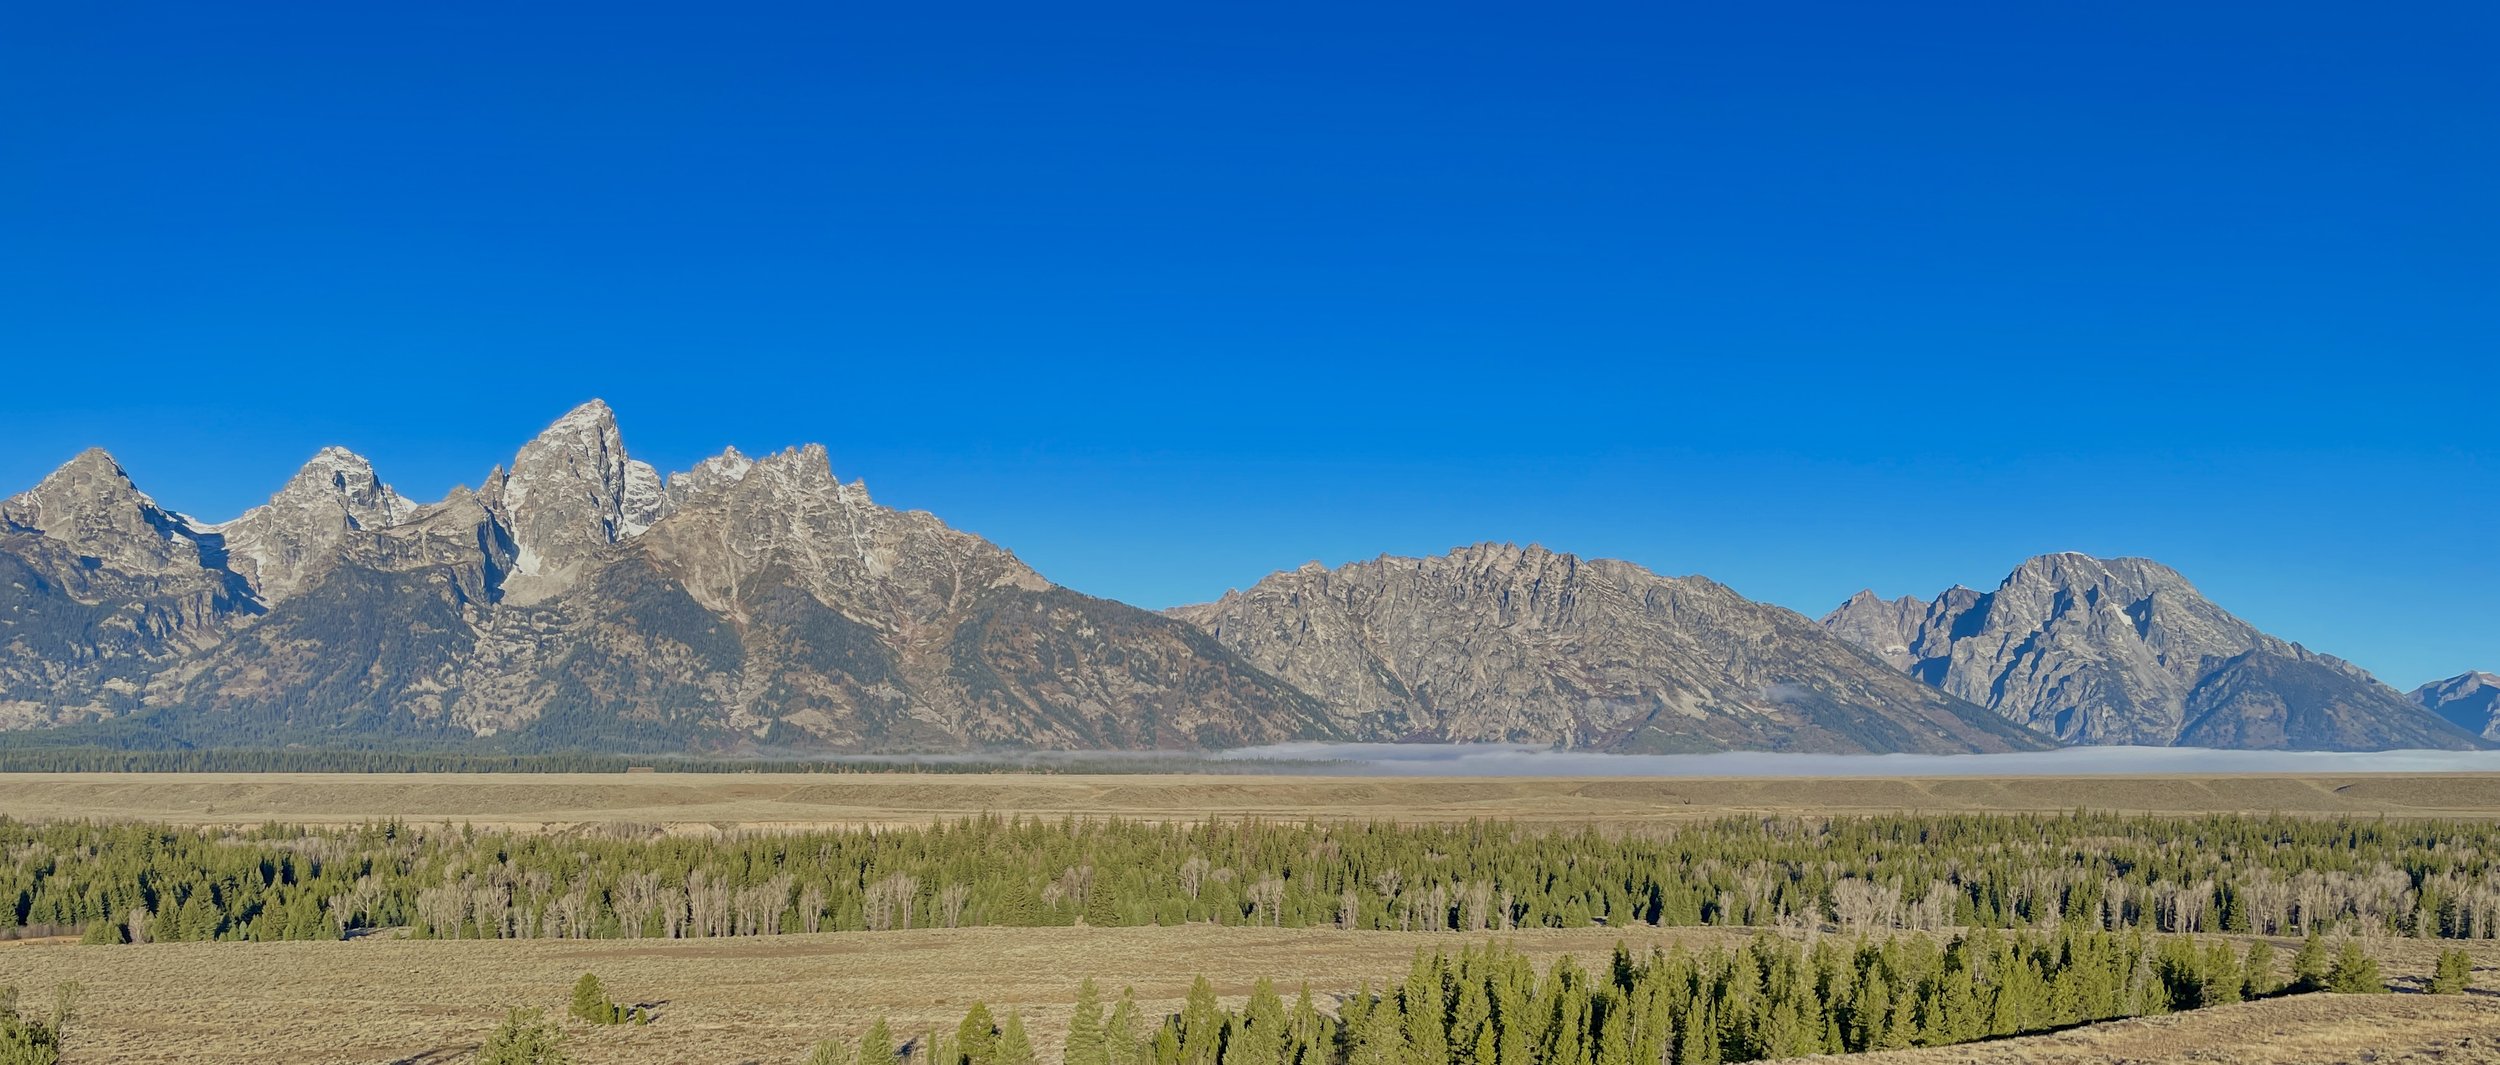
(1165, 296)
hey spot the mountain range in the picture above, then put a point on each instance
(582, 600)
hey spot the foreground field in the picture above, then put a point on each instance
(765, 1000)
(798, 800)
(2305, 1030)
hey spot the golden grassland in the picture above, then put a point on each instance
(766, 999)
(803, 800)
(380, 999)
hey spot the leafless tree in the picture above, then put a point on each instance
(888, 903)
(951, 900)
(1194, 876)
(812, 907)
(1267, 900)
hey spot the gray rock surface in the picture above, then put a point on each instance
(283, 544)
(582, 601)
(2126, 651)
(1886, 627)
(573, 491)
(2470, 701)
(1502, 643)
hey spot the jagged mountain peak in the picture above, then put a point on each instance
(282, 545)
(91, 505)
(1886, 627)
(92, 474)
(2126, 650)
(592, 415)
(337, 474)
(710, 475)
(572, 491)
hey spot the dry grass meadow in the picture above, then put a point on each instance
(766, 999)
(800, 800)
(384, 1000)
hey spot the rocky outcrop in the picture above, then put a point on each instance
(2470, 701)
(284, 544)
(2126, 651)
(1886, 627)
(1496, 642)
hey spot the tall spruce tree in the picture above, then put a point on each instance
(1014, 1047)
(2257, 976)
(2310, 964)
(976, 1038)
(1087, 1042)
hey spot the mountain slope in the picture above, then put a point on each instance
(100, 589)
(2470, 701)
(2126, 651)
(1495, 642)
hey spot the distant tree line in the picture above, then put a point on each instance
(132, 883)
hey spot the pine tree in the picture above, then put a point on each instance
(976, 1039)
(876, 1045)
(1380, 1038)
(1313, 1041)
(1121, 1040)
(2455, 972)
(524, 1038)
(1427, 1038)
(1201, 1025)
(1014, 1047)
(2355, 972)
(829, 1052)
(26, 1040)
(1697, 1041)
(1258, 1036)
(1471, 1026)
(2257, 978)
(2221, 976)
(1087, 1044)
(2309, 965)
(590, 1001)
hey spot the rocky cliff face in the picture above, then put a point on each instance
(1496, 642)
(2126, 651)
(582, 600)
(100, 589)
(2470, 701)
(284, 544)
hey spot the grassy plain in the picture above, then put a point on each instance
(380, 999)
(766, 999)
(799, 800)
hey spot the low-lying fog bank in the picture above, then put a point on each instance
(1495, 760)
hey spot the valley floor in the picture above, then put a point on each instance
(812, 800)
(765, 1000)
